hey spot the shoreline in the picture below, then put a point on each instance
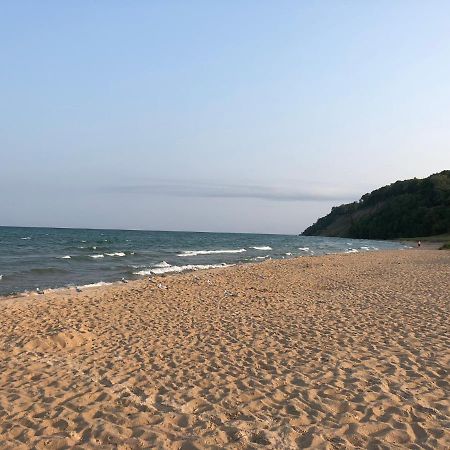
(343, 350)
(40, 261)
(105, 284)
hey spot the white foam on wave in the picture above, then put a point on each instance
(26, 238)
(177, 269)
(66, 257)
(94, 248)
(93, 285)
(116, 254)
(261, 257)
(365, 248)
(96, 256)
(304, 249)
(351, 250)
(263, 247)
(209, 252)
(289, 254)
(1, 277)
(163, 264)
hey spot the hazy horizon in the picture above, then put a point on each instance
(251, 117)
(155, 230)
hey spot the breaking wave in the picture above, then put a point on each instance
(92, 285)
(177, 269)
(162, 264)
(209, 252)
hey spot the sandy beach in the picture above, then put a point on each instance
(339, 351)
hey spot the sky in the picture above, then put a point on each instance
(237, 116)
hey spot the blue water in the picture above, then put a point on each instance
(32, 258)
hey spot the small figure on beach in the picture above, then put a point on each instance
(418, 243)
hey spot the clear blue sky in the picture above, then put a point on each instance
(222, 116)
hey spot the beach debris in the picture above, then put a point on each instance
(162, 286)
(209, 282)
(78, 289)
(38, 291)
(229, 294)
(123, 280)
(151, 280)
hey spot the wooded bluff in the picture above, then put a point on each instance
(409, 208)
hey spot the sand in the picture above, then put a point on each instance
(340, 351)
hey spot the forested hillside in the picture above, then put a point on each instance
(409, 208)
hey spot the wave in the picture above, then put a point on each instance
(289, 254)
(367, 248)
(351, 250)
(96, 256)
(209, 252)
(97, 248)
(163, 264)
(116, 254)
(304, 249)
(177, 269)
(66, 257)
(26, 238)
(264, 247)
(261, 257)
(92, 285)
(1, 277)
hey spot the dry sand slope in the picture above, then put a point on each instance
(343, 351)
